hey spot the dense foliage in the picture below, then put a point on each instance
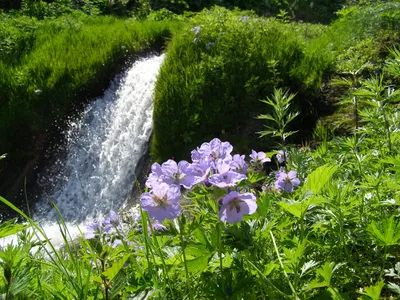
(311, 11)
(293, 224)
(220, 67)
(317, 221)
(217, 70)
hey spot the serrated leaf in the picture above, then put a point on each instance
(324, 276)
(227, 260)
(298, 209)
(317, 180)
(307, 267)
(387, 233)
(314, 284)
(96, 279)
(117, 285)
(294, 208)
(195, 250)
(269, 268)
(374, 291)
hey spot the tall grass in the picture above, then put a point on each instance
(48, 66)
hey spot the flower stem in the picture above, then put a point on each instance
(283, 268)
(184, 260)
(220, 253)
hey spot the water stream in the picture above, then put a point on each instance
(103, 147)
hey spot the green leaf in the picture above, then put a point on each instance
(117, 285)
(374, 291)
(294, 208)
(317, 180)
(196, 250)
(394, 288)
(10, 228)
(387, 233)
(199, 264)
(298, 209)
(324, 276)
(111, 272)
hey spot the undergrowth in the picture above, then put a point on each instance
(297, 223)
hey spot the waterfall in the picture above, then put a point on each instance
(103, 147)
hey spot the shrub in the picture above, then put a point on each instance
(216, 72)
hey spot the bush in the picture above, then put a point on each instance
(216, 73)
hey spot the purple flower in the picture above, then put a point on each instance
(259, 157)
(282, 156)
(111, 221)
(179, 174)
(201, 169)
(244, 18)
(154, 178)
(286, 181)
(118, 242)
(215, 149)
(163, 202)
(225, 177)
(238, 164)
(92, 229)
(156, 226)
(235, 205)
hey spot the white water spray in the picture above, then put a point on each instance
(103, 149)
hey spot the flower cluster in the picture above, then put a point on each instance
(244, 18)
(110, 228)
(196, 31)
(213, 166)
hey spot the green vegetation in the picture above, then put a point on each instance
(216, 72)
(47, 66)
(335, 236)
(220, 67)
(317, 221)
(306, 10)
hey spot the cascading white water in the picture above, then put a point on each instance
(103, 149)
